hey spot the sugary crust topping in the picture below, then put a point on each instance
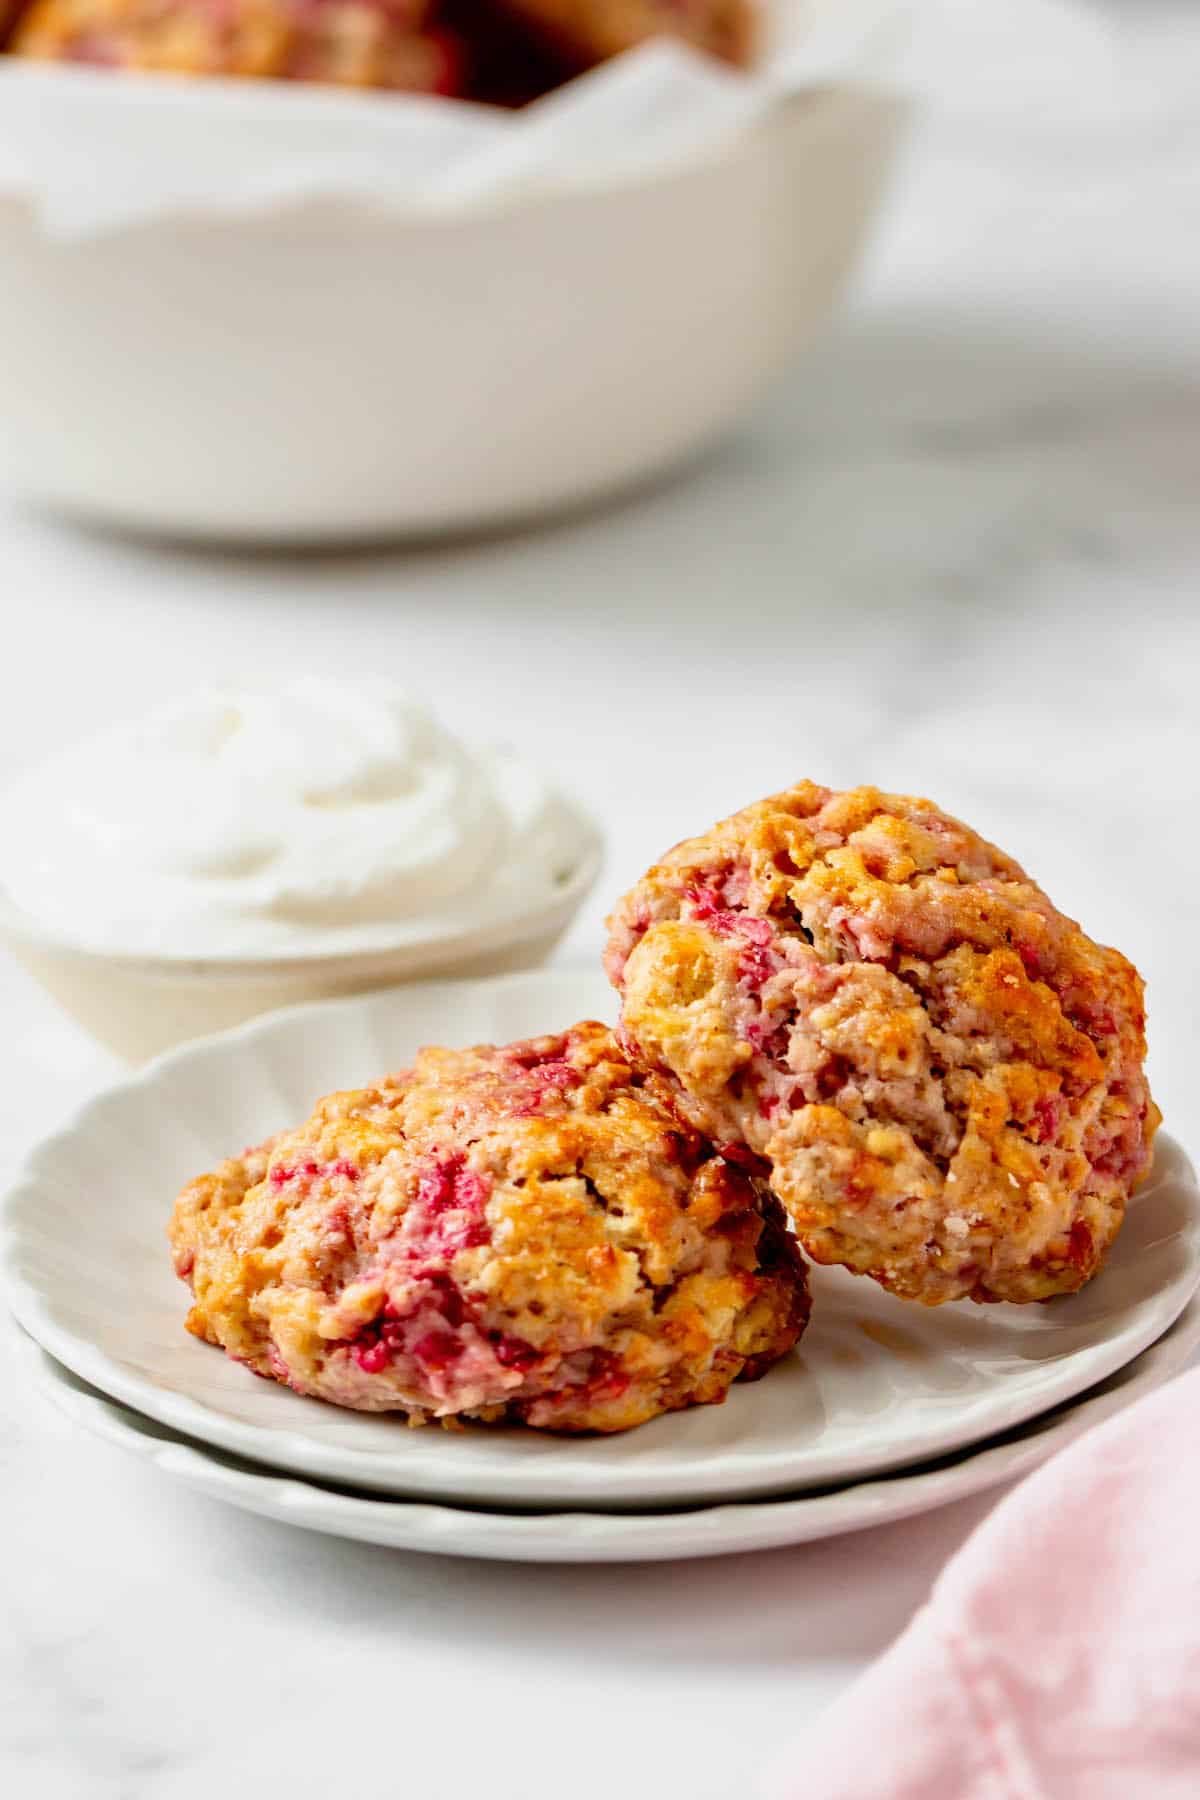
(526, 1232)
(943, 1074)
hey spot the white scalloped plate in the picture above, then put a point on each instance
(610, 1537)
(876, 1384)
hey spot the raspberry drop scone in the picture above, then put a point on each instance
(350, 43)
(526, 1233)
(941, 1074)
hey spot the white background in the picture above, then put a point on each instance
(955, 552)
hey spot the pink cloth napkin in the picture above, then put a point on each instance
(1058, 1657)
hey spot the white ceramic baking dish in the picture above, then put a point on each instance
(325, 367)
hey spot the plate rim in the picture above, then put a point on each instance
(307, 1456)
(428, 1527)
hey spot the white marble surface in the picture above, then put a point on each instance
(956, 552)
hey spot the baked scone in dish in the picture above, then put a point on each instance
(942, 1075)
(590, 31)
(525, 1233)
(351, 43)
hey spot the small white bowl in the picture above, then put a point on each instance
(331, 369)
(140, 1006)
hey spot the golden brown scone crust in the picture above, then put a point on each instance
(527, 1233)
(942, 1074)
(350, 43)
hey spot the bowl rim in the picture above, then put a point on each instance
(279, 105)
(271, 104)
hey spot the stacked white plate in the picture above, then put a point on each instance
(884, 1410)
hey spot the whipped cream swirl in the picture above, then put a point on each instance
(313, 818)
